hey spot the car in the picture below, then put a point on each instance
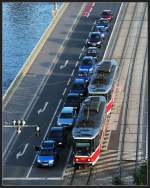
(74, 100)
(58, 135)
(85, 75)
(104, 33)
(103, 22)
(107, 14)
(47, 154)
(87, 63)
(80, 87)
(92, 51)
(67, 117)
(94, 39)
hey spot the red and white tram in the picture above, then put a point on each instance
(102, 82)
(89, 130)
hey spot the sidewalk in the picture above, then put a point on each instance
(34, 81)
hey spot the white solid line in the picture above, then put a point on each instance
(80, 55)
(68, 81)
(72, 72)
(33, 178)
(44, 136)
(112, 32)
(64, 91)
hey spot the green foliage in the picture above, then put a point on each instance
(117, 181)
(140, 177)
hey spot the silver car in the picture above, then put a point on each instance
(67, 117)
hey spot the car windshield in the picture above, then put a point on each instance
(66, 115)
(56, 134)
(102, 23)
(82, 74)
(86, 62)
(45, 152)
(90, 51)
(82, 148)
(95, 37)
(48, 144)
(77, 86)
(105, 13)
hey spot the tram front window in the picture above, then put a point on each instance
(82, 148)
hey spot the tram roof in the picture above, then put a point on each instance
(103, 76)
(90, 117)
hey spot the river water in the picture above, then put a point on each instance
(23, 23)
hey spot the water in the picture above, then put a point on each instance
(23, 25)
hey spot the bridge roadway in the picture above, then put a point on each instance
(23, 170)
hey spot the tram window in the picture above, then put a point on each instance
(109, 95)
(96, 142)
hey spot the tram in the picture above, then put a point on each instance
(102, 82)
(89, 130)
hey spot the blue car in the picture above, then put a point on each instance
(79, 87)
(94, 39)
(47, 154)
(92, 51)
(102, 22)
(102, 30)
(85, 75)
(87, 64)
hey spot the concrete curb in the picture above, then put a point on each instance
(34, 54)
(114, 33)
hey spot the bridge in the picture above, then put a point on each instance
(39, 91)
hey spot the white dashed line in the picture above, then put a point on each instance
(76, 64)
(68, 82)
(64, 91)
(72, 72)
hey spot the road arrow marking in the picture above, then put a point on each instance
(21, 153)
(63, 66)
(42, 110)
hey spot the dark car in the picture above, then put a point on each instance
(107, 14)
(58, 135)
(47, 154)
(92, 51)
(74, 100)
(87, 63)
(80, 87)
(94, 39)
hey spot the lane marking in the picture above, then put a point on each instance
(83, 47)
(72, 72)
(19, 154)
(64, 91)
(80, 55)
(42, 110)
(68, 81)
(63, 66)
(44, 136)
(76, 64)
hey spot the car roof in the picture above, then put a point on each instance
(78, 80)
(67, 109)
(92, 47)
(95, 32)
(49, 141)
(56, 128)
(87, 57)
(107, 10)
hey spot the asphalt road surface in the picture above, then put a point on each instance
(54, 92)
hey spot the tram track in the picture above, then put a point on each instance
(128, 96)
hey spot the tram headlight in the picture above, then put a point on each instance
(77, 160)
(89, 160)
